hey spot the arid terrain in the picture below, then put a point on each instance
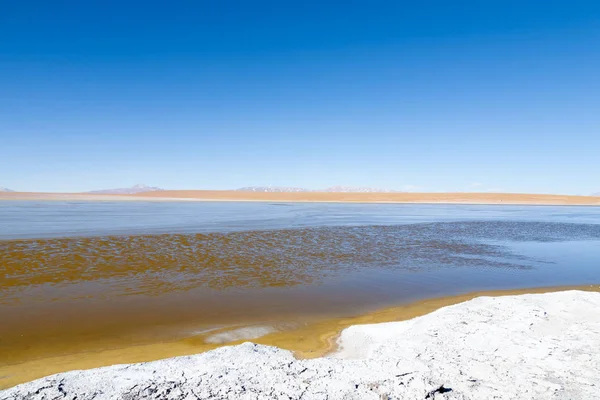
(233, 195)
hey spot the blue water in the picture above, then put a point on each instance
(128, 267)
(32, 219)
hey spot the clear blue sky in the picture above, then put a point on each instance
(429, 95)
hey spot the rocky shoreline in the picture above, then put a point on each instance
(535, 346)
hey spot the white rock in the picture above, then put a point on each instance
(544, 346)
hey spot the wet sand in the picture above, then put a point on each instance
(312, 339)
(232, 195)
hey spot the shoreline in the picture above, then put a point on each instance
(314, 339)
(315, 197)
(527, 346)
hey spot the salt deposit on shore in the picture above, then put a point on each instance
(542, 346)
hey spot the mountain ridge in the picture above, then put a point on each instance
(332, 189)
(139, 188)
(272, 189)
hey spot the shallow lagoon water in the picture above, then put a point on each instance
(79, 276)
(33, 219)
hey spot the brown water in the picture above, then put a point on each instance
(64, 295)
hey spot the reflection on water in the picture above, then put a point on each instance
(77, 293)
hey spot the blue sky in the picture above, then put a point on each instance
(429, 95)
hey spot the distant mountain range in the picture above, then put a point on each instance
(333, 189)
(131, 190)
(278, 189)
(3, 189)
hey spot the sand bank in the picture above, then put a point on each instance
(527, 346)
(328, 197)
